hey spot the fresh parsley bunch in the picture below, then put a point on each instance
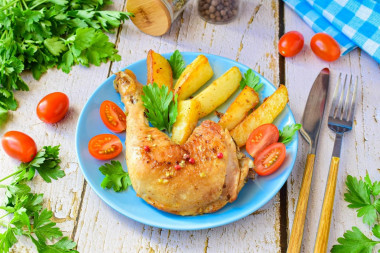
(29, 217)
(365, 197)
(37, 35)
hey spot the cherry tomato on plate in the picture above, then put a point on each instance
(105, 146)
(112, 116)
(19, 146)
(261, 138)
(290, 44)
(325, 47)
(270, 159)
(53, 107)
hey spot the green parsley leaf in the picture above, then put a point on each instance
(47, 162)
(250, 79)
(354, 242)
(43, 227)
(116, 177)
(177, 63)
(65, 245)
(287, 133)
(3, 116)
(161, 109)
(55, 45)
(7, 239)
(376, 230)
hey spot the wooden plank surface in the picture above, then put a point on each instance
(241, 40)
(360, 150)
(252, 40)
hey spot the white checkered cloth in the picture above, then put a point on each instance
(352, 23)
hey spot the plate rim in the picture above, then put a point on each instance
(198, 226)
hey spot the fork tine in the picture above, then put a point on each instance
(339, 109)
(335, 97)
(346, 107)
(353, 101)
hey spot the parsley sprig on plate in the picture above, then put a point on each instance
(250, 79)
(161, 106)
(362, 195)
(177, 64)
(288, 132)
(37, 35)
(28, 217)
(116, 177)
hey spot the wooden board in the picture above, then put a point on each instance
(252, 40)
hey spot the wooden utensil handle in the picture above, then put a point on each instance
(328, 203)
(299, 218)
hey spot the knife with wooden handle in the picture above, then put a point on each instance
(311, 125)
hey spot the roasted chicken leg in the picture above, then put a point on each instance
(213, 180)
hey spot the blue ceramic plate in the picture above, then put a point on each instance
(252, 197)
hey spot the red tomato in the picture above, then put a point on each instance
(19, 146)
(53, 107)
(325, 47)
(261, 138)
(105, 146)
(112, 116)
(270, 159)
(290, 44)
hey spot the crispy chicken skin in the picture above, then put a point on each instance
(202, 187)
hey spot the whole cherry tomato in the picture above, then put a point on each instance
(260, 138)
(290, 44)
(53, 107)
(112, 116)
(325, 47)
(105, 146)
(19, 146)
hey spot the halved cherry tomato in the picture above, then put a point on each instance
(290, 44)
(112, 116)
(270, 159)
(105, 146)
(53, 107)
(19, 146)
(261, 138)
(325, 47)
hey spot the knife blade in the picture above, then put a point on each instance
(311, 125)
(315, 106)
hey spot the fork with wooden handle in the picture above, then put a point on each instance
(340, 121)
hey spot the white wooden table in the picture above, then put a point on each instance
(252, 40)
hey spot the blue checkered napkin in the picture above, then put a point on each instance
(351, 22)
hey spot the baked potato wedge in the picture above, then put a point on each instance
(265, 113)
(187, 119)
(218, 91)
(159, 70)
(195, 75)
(239, 109)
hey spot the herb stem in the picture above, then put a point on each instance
(5, 215)
(3, 224)
(15, 173)
(8, 5)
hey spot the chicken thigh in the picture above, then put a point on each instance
(191, 188)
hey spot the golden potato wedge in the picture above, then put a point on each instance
(239, 109)
(187, 119)
(264, 114)
(218, 91)
(159, 70)
(195, 75)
